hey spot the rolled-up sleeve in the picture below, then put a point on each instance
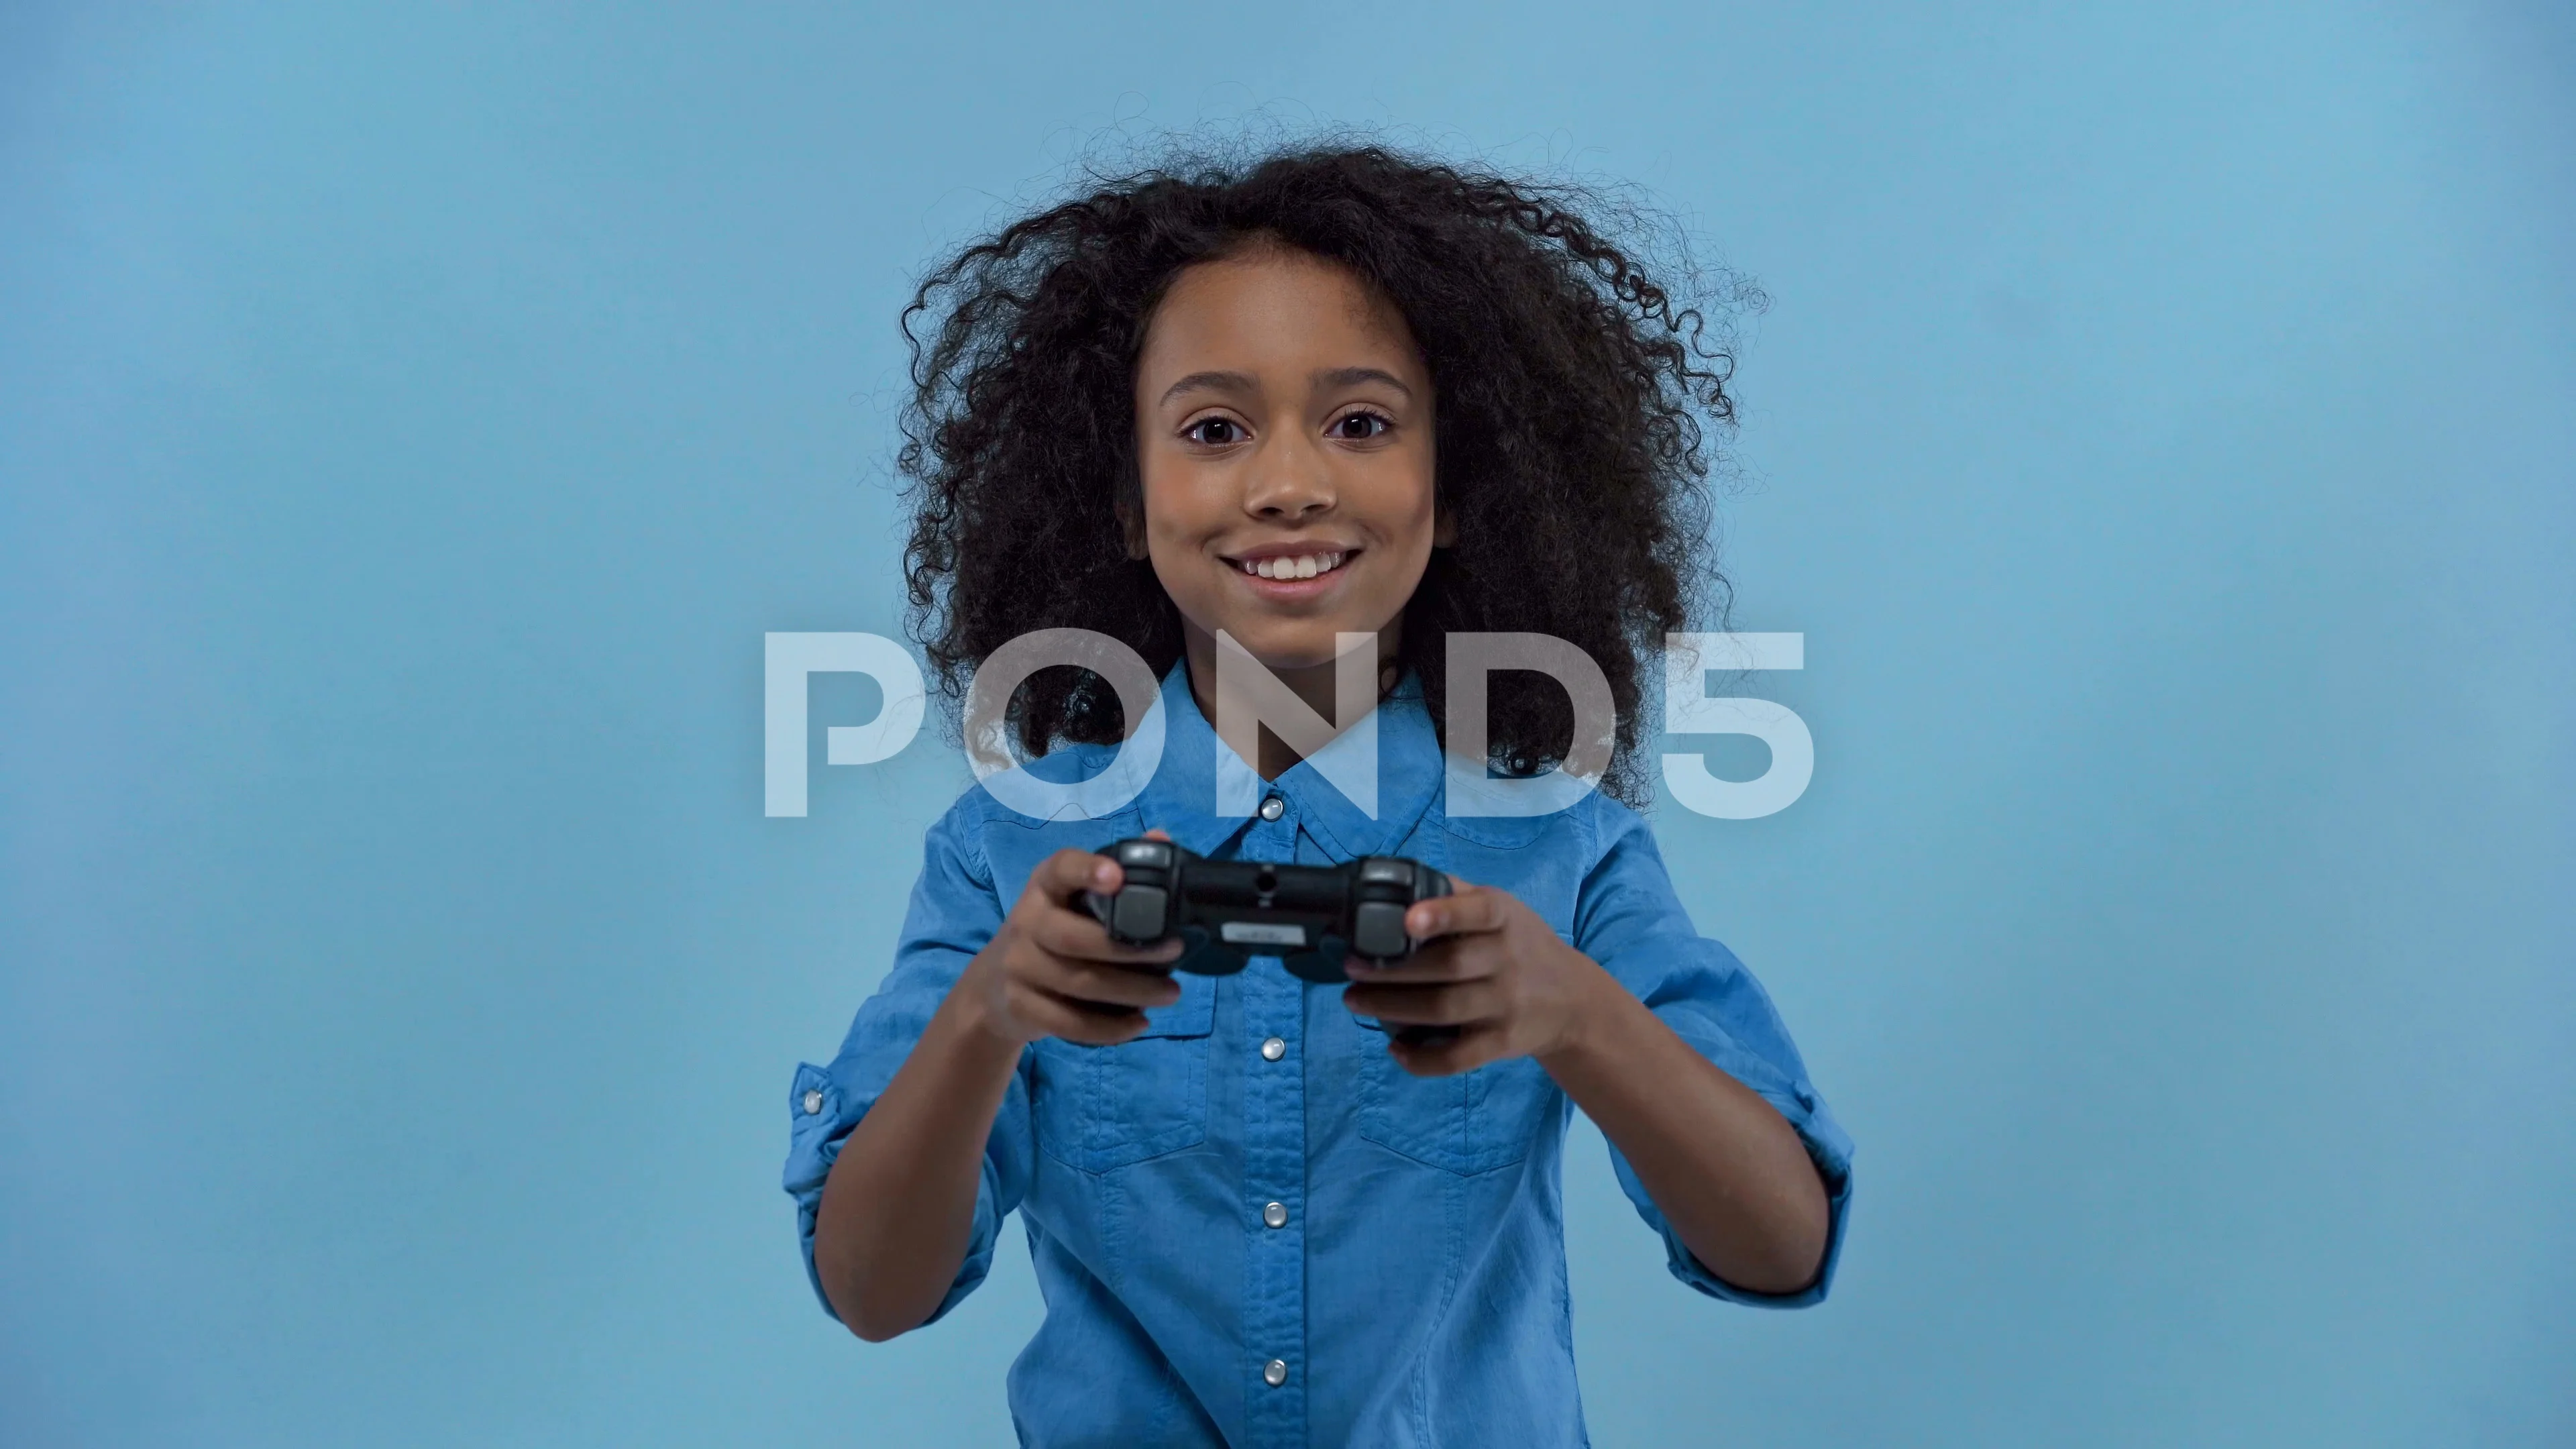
(954, 911)
(1630, 921)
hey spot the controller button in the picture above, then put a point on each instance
(1377, 930)
(1138, 915)
(1379, 870)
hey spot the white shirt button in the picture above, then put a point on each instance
(813, 1104)
(1273, 1049)
(1275, 1372)
(1275, 1214)
(1273, 808)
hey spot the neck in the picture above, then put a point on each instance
(1311, 683)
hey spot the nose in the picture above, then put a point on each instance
(1289, 485)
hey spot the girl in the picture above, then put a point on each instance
(1336, 392)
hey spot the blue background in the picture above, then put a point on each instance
(409, 425)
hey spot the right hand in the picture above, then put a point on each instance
(1051, 970)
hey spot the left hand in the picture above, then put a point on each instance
(1489, 967)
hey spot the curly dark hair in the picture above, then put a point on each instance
(1575, 395)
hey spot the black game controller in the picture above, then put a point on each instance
(1228, 911)
(1312, 917)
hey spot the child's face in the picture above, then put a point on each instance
(1283, 423)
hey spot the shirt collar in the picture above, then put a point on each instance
(1182, 796)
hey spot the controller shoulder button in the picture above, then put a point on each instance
(1150, 853)
(1386, 870)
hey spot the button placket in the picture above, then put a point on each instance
(1274, 1170)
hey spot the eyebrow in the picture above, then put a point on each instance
(1353, 376)
(1211, 382)
(1243, 382)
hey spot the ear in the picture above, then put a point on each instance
(1444, 524)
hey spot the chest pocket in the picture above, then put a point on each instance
(1099, 1108)
(1489, 1118)
(1473, 1122)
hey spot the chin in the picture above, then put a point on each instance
(1293, 642)
(1303, 652)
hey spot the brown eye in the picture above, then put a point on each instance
(1213, 432)
(1360, 427)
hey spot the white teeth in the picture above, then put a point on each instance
(1303, 566)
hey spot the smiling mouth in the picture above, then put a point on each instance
(1293, 566)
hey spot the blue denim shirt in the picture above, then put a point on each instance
(1415, 1288)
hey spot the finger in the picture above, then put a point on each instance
(1112, 986)
(1066, 931)
(1158, 833)
(1451, 1005)
(1069, 872)
(1074, 1021)
(1470, 910)
(1439, 961)
(1447, 1057)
